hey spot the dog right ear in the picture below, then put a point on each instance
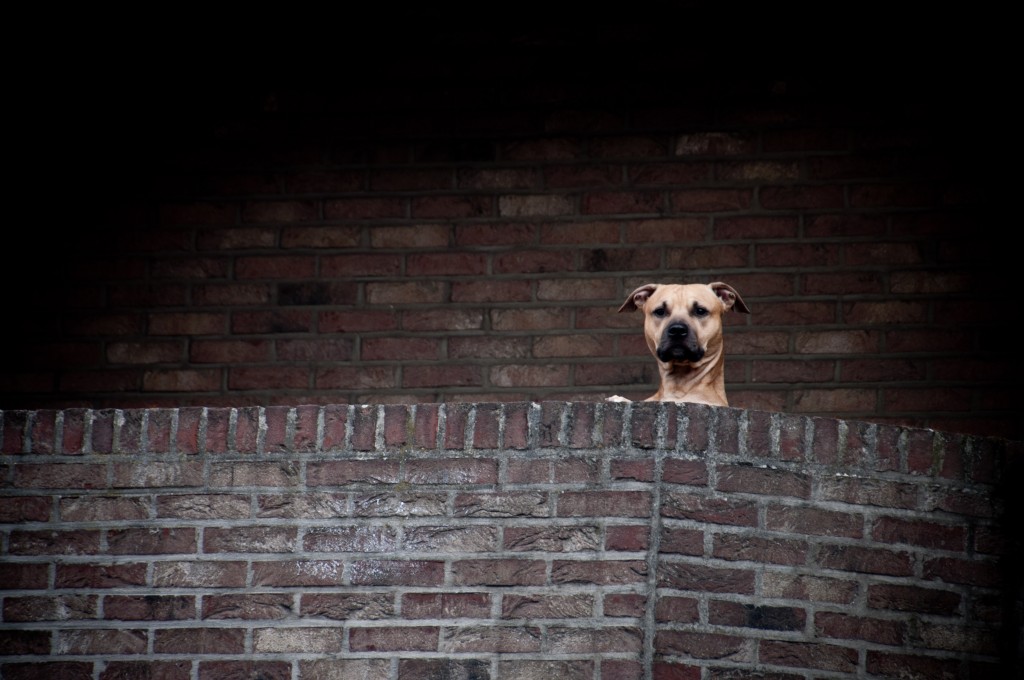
(637, 298)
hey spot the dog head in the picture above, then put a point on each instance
(683, 323)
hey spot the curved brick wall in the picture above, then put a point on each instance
(516, 541)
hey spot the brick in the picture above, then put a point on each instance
(682, 471)
(149, 607)
(297, 639)
(681, 541)
(340, 473)
(806, 655)
(492, 639)
(397, 572)
(199, 574)
(24, 576)
(756, 616)
(499, 290)
(204, 506)
(276, 474)
(843, 626)
(864, 491)
(345, 606)
(232, 294)
(229, 351)
(66, 670)
(249, 539)
(259, 606)
(331, 669)
(692, 576)
(576, 471)
(551, 539)
(966, 572)
(547, 606)
(448, 539)
(45, 542)
(244, 670)
(145, 541)
(275, 321)
(452, 207)
(887, 664)
(320, 236)
(676, 609)
(714, 510)
(100, 575)
(394, 639)
(865, 560)
(279, 211)
(239, 238)
(604, 504)
(452, 471)
(21, 642)
(576, 640)
(187, 323)
(59, 476)
(762, 480)
(429, 669)
(753, 548)
(199, 641)
(60, 608)
(814, 521)
(157, 474)
(809, 587)
(701, 645)
(146, 670)
(446, 605)
(711, 200)
(186, 439)
(18, 509)
(298, 573)
(925, 534)
(627, 538)
(400, 505)
(601, 572)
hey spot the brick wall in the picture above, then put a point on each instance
(464, 227)
(512, 541)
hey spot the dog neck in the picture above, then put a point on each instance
(702, 383)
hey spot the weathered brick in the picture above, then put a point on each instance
(149, 607)
(59, 608)
(446, 605)
(691, 576)
(602, 572)
(199, 641)
(394, 639)
(807, 655)
(762, 617)
(397, 572)
(491, 639)
(264, 670)
(702, 645)
(604, 504)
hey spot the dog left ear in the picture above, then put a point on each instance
(729, 297)
(637, 298)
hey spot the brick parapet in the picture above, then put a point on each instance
(607, 540)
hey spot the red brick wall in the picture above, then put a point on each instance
(466, 229)
(502, 541)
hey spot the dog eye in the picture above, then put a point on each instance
(699, 311)
(660, 312)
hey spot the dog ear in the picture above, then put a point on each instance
(637, 298)
(729, 297)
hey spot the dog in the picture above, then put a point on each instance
(683, 329)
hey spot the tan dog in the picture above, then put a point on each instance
(683, 328)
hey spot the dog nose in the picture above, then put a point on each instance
(678, 330)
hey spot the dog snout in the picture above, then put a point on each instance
(678, 330)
